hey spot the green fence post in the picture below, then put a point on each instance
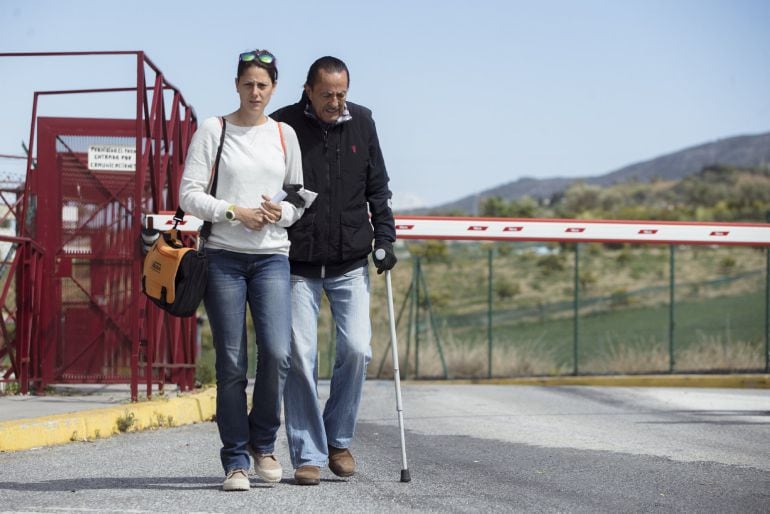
(434, 327)
(417, 322)
(412, 306)
(767, 304)
(671, 307)
(767, 312)
(576, 323)
(410, 325)
(489, 316)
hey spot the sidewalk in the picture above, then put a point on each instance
(84, 412)
(69, 398)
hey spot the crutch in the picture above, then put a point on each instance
(380, 254)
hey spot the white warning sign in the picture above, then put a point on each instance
(112, 157)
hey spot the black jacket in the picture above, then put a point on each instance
(344, 165)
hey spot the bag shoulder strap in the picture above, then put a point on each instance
(215, 170)
(179, 215)
(206, 228)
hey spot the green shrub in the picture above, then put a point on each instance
(550, 264)
(505, 289)
(432, 250)
(587, 279)
(624, 257)
(727, 264)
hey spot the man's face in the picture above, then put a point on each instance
(328, 95)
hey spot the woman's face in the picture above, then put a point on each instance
(255, 89)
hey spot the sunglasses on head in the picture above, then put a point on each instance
(262, 56)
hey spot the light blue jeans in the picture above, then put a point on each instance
(236, 280)
(309, 432)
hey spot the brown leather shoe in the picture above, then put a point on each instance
(341, 462)
(307, 475)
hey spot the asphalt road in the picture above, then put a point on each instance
(470, 448)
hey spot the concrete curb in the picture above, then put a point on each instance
(749, 381)
(24, 434)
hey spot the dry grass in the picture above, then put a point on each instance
(632, 357)
(468, 360)
(531, 359)
(718, 353)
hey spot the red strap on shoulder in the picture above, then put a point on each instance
(283, 143)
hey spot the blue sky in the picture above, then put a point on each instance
(467, 95)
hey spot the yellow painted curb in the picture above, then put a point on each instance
(24, 434)
(749, 381)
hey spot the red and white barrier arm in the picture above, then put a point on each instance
(531, 229)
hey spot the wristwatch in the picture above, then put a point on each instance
(230, 213)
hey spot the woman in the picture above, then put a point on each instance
(248, 261)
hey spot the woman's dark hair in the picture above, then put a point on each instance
(271, 69)
(330, 65)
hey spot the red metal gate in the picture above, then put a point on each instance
(84, 220)
(80, 315)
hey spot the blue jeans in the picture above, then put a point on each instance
(309, 432)
(262, 282)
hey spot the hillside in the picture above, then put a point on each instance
(739, 151)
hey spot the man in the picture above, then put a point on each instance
(330, 244)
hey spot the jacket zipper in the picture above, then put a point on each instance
(328, 204)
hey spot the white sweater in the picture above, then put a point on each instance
(252, 164)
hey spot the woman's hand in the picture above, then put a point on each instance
(272, 212)
(253, 219)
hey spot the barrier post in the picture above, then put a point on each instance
(489, 314)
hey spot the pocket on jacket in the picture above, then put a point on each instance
(357, 233)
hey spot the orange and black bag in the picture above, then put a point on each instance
(174, 275)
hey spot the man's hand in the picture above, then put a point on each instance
(383, 257)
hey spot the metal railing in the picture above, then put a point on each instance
(156, 348)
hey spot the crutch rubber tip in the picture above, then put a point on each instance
(405, 476)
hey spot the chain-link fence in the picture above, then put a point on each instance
(480, 310)
(476, 310)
